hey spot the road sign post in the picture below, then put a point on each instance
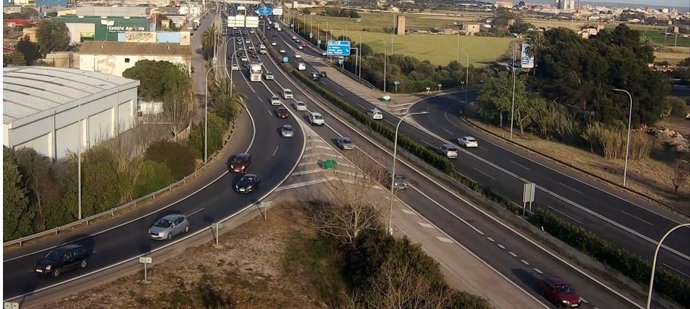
(527, 196)
(265, 205)
(145, 260)
(11, 305)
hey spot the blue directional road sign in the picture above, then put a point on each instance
(338, 48)
(265, 11)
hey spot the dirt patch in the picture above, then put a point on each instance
(648, 176)
(248, 271)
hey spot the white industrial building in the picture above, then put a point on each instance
(54, 110)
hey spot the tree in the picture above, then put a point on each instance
(680, 174)
(222, 102)
(178, 158)
(208, 42)
(52, 35)
(353, 210)
(16, 212)
(495, 97)
(29, 50)
(15, 58)
(502, 18)
(306, 11)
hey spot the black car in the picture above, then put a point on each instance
(239, 163)
(282, 112)
(61, 259)
(247, 183)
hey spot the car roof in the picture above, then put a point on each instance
(556, 281)
(287, 126)
(68, 247)
(243, 155)
(468, 138)
(449, 146)
(172, 216)
(316, 113)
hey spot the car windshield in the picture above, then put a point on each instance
(287, 128)
(238, 160)
(470, 139)
(54, 255)
(248, 178)
(346, 140)
(163, 223)
(564, 289)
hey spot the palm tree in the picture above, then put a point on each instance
(208, 41)
(222, 102)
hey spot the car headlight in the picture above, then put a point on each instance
(48, 267)
(249, 187)
(565, 302)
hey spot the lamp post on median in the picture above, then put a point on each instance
(467, 72)
(512, 106)
(396, 83)
(385, 56)
(395, 152)
(206, 104)
(627, 144)
(656, 253)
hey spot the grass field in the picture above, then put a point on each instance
(438, 49)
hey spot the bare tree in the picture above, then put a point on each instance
(400, 285)
(355, 206)
(680, 174)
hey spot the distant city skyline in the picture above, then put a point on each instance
(681, 4)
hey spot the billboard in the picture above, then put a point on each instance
(252, 22)
(236, 21)
(277, 11)
(526, 57)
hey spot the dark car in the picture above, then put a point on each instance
(282, 113)
(239, 163)
(315, 76)
(323, 74)
(559, 292)
(400, 182)
(62, 259)
(247, 183)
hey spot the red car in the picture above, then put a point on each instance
(282, 112)
(559, 292)
(240, 163)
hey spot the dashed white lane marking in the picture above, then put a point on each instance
(485, 174)
(520, 165)
(195, 212)
(275, 151)
(562, 213)
(409, 212)
(569, 187)
(443, 239)
(584, 300)
(501, 246)
(512, 254)
(340, 93)
(636, 217)
(426, 225)
(524, 262)
(260, 100)
(449, 132)
(490, 239)
(538, 271)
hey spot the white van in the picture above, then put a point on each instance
(301, 66)
(287, 94)
(448, 150)
(316, 119)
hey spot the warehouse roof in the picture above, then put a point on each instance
(31, 90)
(134, 48)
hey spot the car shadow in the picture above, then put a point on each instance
(527, 278)
(81, 239)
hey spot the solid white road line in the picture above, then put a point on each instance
(426, 225)
(520, 165)
(677, 270)
(195, 212)
(569, 187)
(562, 213)
(450, 212)
(485, 174)
(636, 217)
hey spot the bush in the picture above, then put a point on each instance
(611, 143)
(216, 132)
(153, 177)
(178, 158)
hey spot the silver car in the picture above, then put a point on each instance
(169, 226)
(287, 131)
(345, 143)
(400, 182)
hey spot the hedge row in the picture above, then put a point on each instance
(633, 266)
(589, 243)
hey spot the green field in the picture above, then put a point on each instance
(438, 49)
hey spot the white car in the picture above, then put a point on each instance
(251, 31)
(287, 94)
(316, 119)
(275, 100)
(268, 75)
(274, 44)
(235, 67)
(244, 59)
(298, 56)
(282, 51)
(448, 150)
(376, 114)
(299, 105)
(247, 41)
(468, 142)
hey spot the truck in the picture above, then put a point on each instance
(262, 49)
(255, 72)
(301, 66)
(196, 23)
(277, 26)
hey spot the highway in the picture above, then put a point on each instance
(519, 259)
(622, 218)
(273, 158)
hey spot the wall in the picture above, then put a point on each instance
(116, 64)
(51, 3)
(56, 132)
(81, 32)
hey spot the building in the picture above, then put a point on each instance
(566, 5)
(96, 28)
(116, 57)
(51, 3)
(56, 111)
(400, 25)
(503, 4)
(471, 29)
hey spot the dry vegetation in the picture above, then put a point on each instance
(255, 268)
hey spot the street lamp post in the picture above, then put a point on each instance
(656, 253)
(512, 106)
(385, 56)
(467, 72)
(395, 153)
(206, 104)
(396, 83)
(627, 144)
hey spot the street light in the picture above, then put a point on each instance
(439, 87)
(627, 144)
(395, 152)
(512, 106)
(385, 56)
(656, 253)
(396, 83)
(206, 104)
(467, 72)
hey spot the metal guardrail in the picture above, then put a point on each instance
(111, 212)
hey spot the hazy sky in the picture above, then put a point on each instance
(662, 3)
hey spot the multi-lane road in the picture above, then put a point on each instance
(622, 218)
(516, 257)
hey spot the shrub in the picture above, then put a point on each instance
(178, 158)
(611, 143)
(216, 132)
(153, 176)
